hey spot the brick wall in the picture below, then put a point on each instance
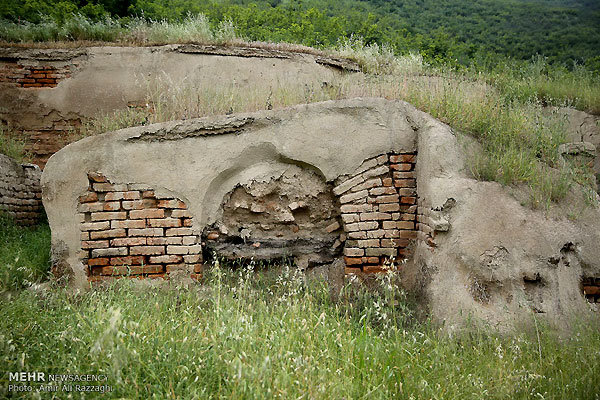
(379, 211)
(20, 191)
(33, 76)
(591, 289)
(129, 230)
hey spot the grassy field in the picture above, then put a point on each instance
(274, 334)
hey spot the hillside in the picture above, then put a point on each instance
(459, 32)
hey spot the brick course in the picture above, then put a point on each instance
(20, 191)
(379, 211)
(125, 236)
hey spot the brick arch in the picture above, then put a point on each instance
(379, 211)
(130, 230)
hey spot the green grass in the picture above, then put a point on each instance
(243, 335)
(13, 146)
(24, 254)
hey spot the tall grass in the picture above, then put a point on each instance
(243, 335)
(12, 145)
(24, 254)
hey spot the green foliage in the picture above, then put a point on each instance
(24, 254)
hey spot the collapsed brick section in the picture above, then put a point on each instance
(129, 230)
(425, 231)
(379, 211)
(33, 76)
(20, 191)
(591, 289)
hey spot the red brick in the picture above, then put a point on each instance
(112, 233)
(123, 195)
(404, 175)
(97, 177)
(148, 194)
(197, 267)
(371, 260)
(408, 200)
(171, 204)
(403, 158)
(181, 214)
(591, 290)
(89, 197)
(132, 270)
(193, 258)
(147, 232)
(106, 216)
(178, 232)
(129, 223)
(387, 199)
(98, 261)
(90, 207)
(32, 85)
(110, 252)
(137, 260)
(391, 207)
(194, 249)
(147, 213)
(165, 223)
(129, 241)
(187, 222)
(387, 181)
(405, 183)
(353, 260)
(112, 206)
(147, 250)
(100, 244)
(401, 167)
(95, 226)
(166, 259)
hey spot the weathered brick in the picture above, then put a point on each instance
(129, 260)
(387, 182)
(347, 185)
(408, 200)
(403, 158)
(94, 244)
(188, 240)
(390, 207)
(387, 199)
(380, 252)
(85, 236)
(187, 222)
(401, 167)
(375, 216)
(404, 174)
(353, 261)
(383, 170)
(354, 208)
(147, 213)
(408, 234)
(407, 191)
(147, 250)
(90, 207)
(378, 191)
(354, 252)
(357, 235)
(89, 197)
(377, 234)
(98, 261)
(109, 215)
(371, 183)
(148, 194)
(166, 259)
(112, 206)
(334, 226)
(179, 268)
(368, 225)
(136, 204)
(97, 177)
(184, 249)
(112, 251)
(112, 233)
(181, 214)
(108, 187)
(171, 204)
(193, 258)
(350, 218)
(122, 195)
(405, 183)
(178, 232)
(165, 223)
(129, 224)
(159, 241)
(128, 241)
(146, 232)
(368, 243)
(95, 226)
(132, 270)
(356, 196)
